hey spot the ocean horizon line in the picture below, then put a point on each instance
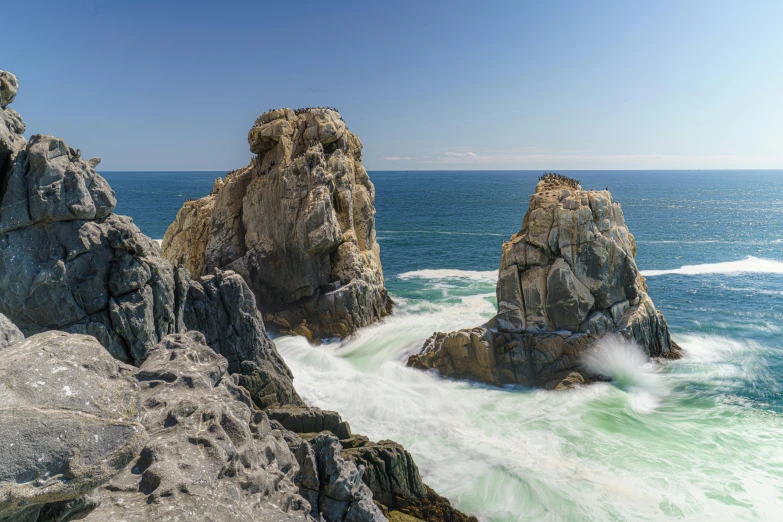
(479, 170)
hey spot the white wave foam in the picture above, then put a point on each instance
(629, 368)
(749, 264)
(489, 276)
(516, 455)
(159, 242)
(443, 232)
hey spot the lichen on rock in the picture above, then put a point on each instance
(568, 277)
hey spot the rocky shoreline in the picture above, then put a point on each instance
(131, 392)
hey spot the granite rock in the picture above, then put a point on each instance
(61, 243)
(9, 86)
(9, 333)
(210, 455)
(69, 422)
(222, 307)
(567, 278)
(297, 223)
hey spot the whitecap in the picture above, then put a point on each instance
(748, 265)
(488, 276)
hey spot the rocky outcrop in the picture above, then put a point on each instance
(297, 224)
(222, 307)
(387, 469)
(568, 277)
(84, 436)
(61, 245)
(210, 454)
(184, 434)
(68, 422)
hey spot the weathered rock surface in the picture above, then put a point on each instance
(297, 224)
(181, 437)
(210, 456)
(9, 86)
(68, 263)
(388, 470)
(9, 333)
(222, 307)
(566, 278)
(69, 417)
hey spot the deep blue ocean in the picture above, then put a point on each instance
(696, 439)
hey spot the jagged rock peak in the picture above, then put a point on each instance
(9, 86)
(298, 224)
(60, 243)
(554, 181)
(567, 278)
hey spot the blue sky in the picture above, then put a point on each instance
(425, 85)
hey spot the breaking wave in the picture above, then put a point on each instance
(629, 368)
(486, 276)
(749, 264)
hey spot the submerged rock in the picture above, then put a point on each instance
(567, 278)
(297, 223)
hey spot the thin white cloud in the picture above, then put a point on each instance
(396, 158)
(530, 158)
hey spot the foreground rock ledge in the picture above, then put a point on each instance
(298, 224)
(566, 279)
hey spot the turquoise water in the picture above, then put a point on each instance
(696, 439)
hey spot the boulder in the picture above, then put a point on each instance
(69, 422)
(567, 278)
(9, 333)
(389, 472)
(297, 223)
(342, 494)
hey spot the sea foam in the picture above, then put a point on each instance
(749, 264)
(629, 368)
(486, 276)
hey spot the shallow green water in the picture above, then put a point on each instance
(696, 439)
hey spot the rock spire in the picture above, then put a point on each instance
(298, 224)
(568, 277)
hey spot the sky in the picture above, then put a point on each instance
(426, 85)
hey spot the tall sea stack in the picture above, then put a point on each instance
(298, 224)
(567, 278)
